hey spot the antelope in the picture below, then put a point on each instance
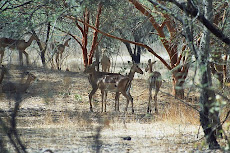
(93, 78)
(12, 88)
(59, 49)
(19, 45)
(154, 82)
(112, 82)
(105, 63)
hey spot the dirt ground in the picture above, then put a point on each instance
(54, 114)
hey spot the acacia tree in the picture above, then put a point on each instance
(179, 71)
(135, 28)
(84, 29)
(207, 96)
(178, 62)
(209, 118)
(140, 34)
(31, 16)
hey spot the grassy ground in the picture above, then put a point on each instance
(55, 115)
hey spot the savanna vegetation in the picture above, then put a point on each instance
(61, 59)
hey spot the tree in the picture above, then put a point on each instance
(30, 16)
(207, 96)
(178, 62)
(209, 113)
(84, 29)
(138, 34)
(135, 28)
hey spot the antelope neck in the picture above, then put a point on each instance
(131, 74)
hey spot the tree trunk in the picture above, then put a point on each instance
(208, 118)
(95, 34)
(135, 57)
(85, 37)
(180, 73)
(207, 97)
(42, 48)
(178, 90)
(97, 56)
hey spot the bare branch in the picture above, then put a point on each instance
(194, 12)
(132, 42)
(10, 8)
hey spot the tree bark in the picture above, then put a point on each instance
(208, 118)
(95, 35)
(85, 37)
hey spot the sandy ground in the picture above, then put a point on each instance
(54, 114)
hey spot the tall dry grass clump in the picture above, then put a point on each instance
(177, 112)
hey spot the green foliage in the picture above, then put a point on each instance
(218, 104)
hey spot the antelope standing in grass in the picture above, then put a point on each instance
(19, 45)
(154, 82)
(12, 88)
(105, 63)
(112, 82)
(59, 49)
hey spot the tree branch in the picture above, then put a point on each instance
(70, 35)
(132, 42)
(194, 12)
(10, 8)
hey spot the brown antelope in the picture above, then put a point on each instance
(154, 82)
(94, 76)
(105, 63)
(59, 49)
(112, 82)
(19, 45)
(11, 88)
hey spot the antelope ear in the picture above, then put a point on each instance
(149, 61)
(154, 62)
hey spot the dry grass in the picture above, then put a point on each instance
(55, 115)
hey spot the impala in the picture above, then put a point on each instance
(11, 88)
(19, 45)
(112, 82)
(154, 82)
(59, 50)
(105, 63)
